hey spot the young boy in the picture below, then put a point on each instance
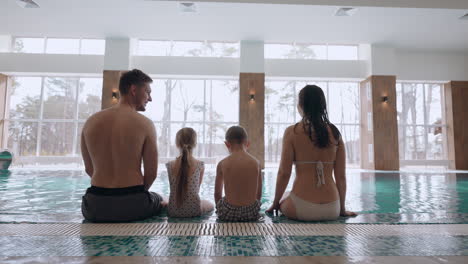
(240, 175)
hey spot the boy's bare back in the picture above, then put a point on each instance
(240, 174)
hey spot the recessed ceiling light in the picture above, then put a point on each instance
(465, 17)
(27, 4)
(187, 7)
(345, 11)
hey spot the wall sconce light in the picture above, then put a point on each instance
(114, 95)
(385, 99)
(252, 98)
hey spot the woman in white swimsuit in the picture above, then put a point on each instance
(315, 146)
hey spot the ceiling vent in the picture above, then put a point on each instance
(345, 11)
(27, 4)
(465, 17)
(187, 7)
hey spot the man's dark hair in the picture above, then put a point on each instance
(133, 77)
(236, 135)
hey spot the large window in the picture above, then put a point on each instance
(46, 114)
(187, 48)
(421, 124)
(59, 46)
(311, 51)
(281, 112)
(208, 106)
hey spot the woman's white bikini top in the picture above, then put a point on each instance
(318, 168)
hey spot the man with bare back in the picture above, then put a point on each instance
(114, 142)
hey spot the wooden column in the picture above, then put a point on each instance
(382, 135)
(110, 84)
(3, 110)
(456, 108)
(252, 112)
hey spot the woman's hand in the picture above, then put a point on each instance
(348, 214)
(275, 207)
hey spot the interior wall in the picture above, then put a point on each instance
(415, 65)
(51, 63)
(316, 68)
(405, 64)
(187, 65)
(431, 66)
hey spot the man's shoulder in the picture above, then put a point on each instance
(143, 119)
(95, 117)
(110, 114)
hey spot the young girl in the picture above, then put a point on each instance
(185, 175)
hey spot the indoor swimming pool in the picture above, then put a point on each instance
(55, 196)
(400, 214)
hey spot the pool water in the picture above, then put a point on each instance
(55, 196)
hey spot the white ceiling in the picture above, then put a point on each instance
(409, 28)
(447, 4)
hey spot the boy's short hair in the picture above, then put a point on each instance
(236, 135)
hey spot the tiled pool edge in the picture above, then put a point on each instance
(229, 229)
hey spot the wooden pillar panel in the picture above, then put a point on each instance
(110, 84)
(251, 112)
(385, 124)
(456, 92)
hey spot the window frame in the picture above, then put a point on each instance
(404, 161)
(44, 49)
(326, 45)
(340, 126)
(136, 49)
(41, 120)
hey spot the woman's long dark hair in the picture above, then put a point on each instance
(315, 118)
(186, 139)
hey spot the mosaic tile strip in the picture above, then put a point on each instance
(235, 246)
(227, 229)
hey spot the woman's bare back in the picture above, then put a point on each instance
(299, 149)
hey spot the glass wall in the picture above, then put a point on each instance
(421, 124)
(59, 46)
(281, 112)
(187, 48)
(46, 114)
(311, 51)
(209, 106)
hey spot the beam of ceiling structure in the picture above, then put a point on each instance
(438, 4)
